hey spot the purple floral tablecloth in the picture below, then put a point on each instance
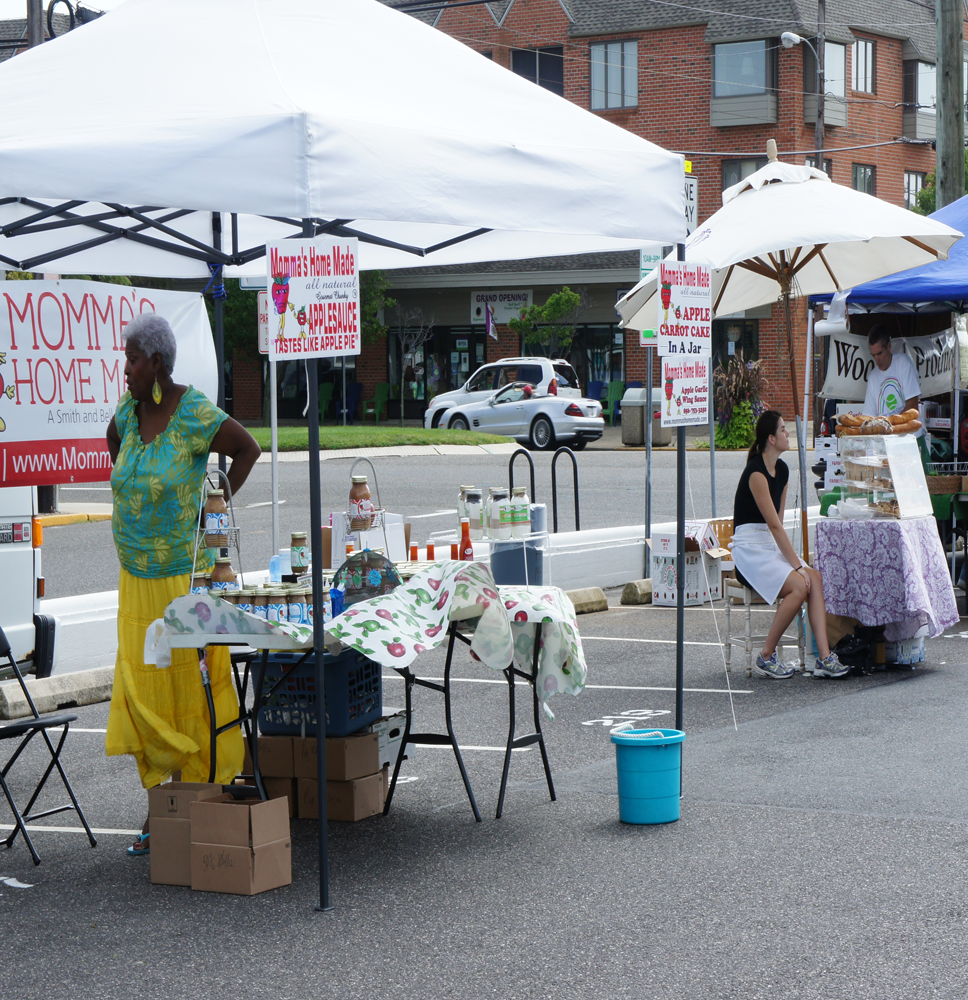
(887, 572)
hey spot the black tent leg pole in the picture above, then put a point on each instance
(219, 308)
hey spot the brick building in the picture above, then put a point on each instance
(712, 85)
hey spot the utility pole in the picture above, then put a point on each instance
(821, 82)
(950, 169)
(35, 22)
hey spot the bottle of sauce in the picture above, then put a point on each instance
(298, 551)
(216, 520)
(361, 506)
(475, 512)
(520, 512)
(430, 551)
(223, 575)
(465, 548)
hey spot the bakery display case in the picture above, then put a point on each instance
(886, 471)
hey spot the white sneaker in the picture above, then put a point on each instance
(773, 667)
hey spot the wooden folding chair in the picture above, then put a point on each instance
(24, 731)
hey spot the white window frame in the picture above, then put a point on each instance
(614, 76)
(863, 56)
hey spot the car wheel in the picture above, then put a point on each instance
(579, 445)
(435, 419)
(458, 423)
(542, 434)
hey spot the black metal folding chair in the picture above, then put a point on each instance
(25, 731)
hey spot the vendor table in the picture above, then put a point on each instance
(886, 571)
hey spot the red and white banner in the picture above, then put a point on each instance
(314, 285)
(62, 371)
(686, 385)
(684, 320)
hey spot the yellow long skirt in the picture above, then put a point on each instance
(160, 716)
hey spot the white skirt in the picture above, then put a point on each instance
(760, 560)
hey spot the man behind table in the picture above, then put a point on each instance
(892, 385)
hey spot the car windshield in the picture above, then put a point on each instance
(514, 393)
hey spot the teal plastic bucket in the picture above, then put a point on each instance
(648, 762)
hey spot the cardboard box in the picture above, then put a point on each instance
(240, 846)
(276, 757)
(282, 788)
(824, 445)
(327, 554)
(704, 560)
(389, 730)
(347, 801)
(171, 832)
(347, 757)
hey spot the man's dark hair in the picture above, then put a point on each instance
(880, 334)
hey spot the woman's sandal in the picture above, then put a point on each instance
(140, 845)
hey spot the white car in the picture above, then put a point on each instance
(540, 421)
(546, 375)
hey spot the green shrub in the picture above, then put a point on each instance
(739, 432)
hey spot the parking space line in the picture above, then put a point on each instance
(73, 829)
(441, 746)
(588, 687)
(662, 642)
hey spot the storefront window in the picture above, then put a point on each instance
(732, 337)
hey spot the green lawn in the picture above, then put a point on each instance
(332, 438)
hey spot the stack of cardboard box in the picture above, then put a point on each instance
(356, 784)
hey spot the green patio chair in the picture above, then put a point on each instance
(379, 402)
(615, 392)
(325, 396)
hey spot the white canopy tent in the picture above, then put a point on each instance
(171, 137)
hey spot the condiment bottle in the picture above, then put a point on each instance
(430, 550)
(466, 547)
(454, 547)
(216, 520)
(414, 553)
(361, 507)
(520, 512)
(500, 526)
(474, 512)
(298, 551)
(223, 576)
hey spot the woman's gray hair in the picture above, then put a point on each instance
(151, 334)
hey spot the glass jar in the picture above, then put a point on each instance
(298, 606)
(260, 603)
(298, 551)
(223, 575)
(277, 607)
(244, 601)
(475, 512)
(500, 526)
(361, 506)
(462, 503)
(201, 583)
(229, 596)
(520, 512)
(216, 520)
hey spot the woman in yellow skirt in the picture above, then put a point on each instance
(160, 439)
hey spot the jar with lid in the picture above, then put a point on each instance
(486, 517)
(298, 551)
(276, 606)
(244, 601)
(229, 596)
(260, 603)
(520, 512)
(500, 527)
(299, 606)
(361, 506)
(216, 520)
(462, 503)
(223, 575)
(475, 512)
(201, 583)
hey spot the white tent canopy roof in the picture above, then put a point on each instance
(331, 110)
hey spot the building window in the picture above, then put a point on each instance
(913, 182)
(863, 178)
(744, 68)
(828, 165)
(545, 67)
(735, 338)
(834, 70)
(862, 66)
(920, 93)
(614, 75)
(736, 170)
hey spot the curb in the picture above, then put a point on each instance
(588, 600)
(57, 693)
(56, 520)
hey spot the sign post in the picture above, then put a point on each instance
(263, 298)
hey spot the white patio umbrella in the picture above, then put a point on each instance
(786, 231)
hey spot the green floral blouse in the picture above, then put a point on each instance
(156, 486)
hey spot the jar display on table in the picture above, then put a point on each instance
(223, 575)
(361, 506)
(260, 603)
(276, 605)
(244, 601)
(201, 583)
(298, 551)
(216, 520)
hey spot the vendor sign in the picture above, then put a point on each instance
(849, 363)
(62, 371)
(686, 387)
(504, 305)
(684, 322)
(314, 288)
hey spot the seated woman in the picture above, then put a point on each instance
(766, 561)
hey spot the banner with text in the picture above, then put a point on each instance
(62, 371)
(504, 306)
(686, 384)
(850, 362)
(684, 323)
(314, 287)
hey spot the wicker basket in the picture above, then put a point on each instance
(944, 484)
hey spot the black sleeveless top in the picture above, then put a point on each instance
(745, 510)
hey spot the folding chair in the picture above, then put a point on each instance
(25, 731)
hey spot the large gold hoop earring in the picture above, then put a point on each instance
(156, 392)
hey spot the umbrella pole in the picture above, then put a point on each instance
(801, 443)
(647, 575)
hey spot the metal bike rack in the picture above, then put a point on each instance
(527, 455)
(554, 488)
